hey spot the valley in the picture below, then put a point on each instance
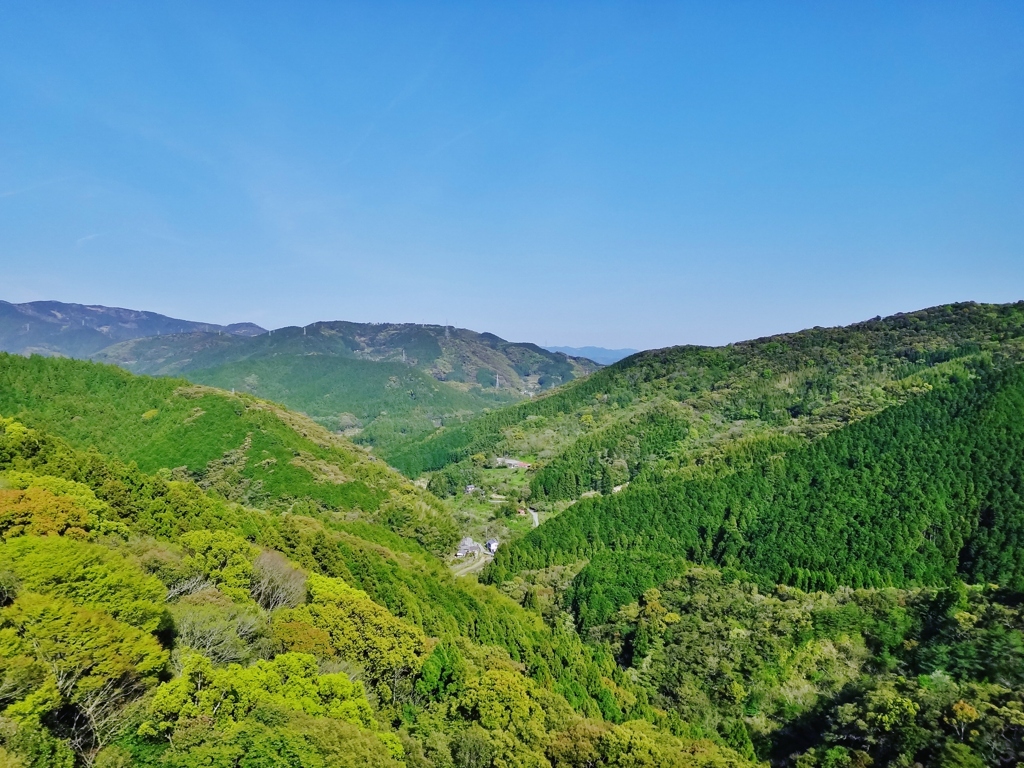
(802, 550)
(379, 383)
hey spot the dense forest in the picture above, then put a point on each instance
(379, 383)
(925, 676)
(799, 551)
(149, 620)
(918, 494)
(670, 404)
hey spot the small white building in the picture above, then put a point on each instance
(492, 545)
(505, 461)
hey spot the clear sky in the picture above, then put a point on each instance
(617, 174)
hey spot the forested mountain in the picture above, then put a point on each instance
(259, 452)
(80, 330)
(190, 577)
(383, 382)
(804, 551)
(455, 355)
(388, 382)
(920, 493)
(686, 407)
(887, 458)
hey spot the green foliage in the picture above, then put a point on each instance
(222, 559)
(453, 479)
(77, 668)
(289, 682)
(443, 672)
(613, 579)
(31, 745)
(81, 495)
(360, 630)
(36, 511)
(272, 737)
(682, 405)
(895, 677)
(88, 575)
(915, 494)
(236, 446)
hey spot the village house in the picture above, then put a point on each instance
(505, 461)
(468, 547)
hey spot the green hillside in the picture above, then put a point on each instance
(690, 405)
(381, 384)
(919, 494)
(852, 678)
(148, 617)
(247, 449)
(871, 455)
(194, 577)
(378, 403)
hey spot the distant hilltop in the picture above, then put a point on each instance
(457, 356)
(381, 381)
(151, 343)
(597, 354)
(81, 330)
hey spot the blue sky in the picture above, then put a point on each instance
(618, 174)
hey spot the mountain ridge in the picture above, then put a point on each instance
(601, 355)
(80, 330)
(458, 356)
(800, 381)
(380, 381)
(659, 615)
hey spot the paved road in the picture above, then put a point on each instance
(536, 519)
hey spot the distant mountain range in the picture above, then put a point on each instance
(403, 379)
(452, 355)
(597, 354)
(385, 380)
(80, 330)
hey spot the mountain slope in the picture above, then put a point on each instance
(388, 382)
(78, 330)
(314, 373)
(256, 451)
(457, 356)
(686, 407)
(920, 493)
(301, 636)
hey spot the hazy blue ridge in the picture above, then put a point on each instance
(80, 330)
(597, 354)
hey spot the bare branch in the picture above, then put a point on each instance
(276, 583)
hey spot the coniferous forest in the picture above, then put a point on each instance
(805, 550)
